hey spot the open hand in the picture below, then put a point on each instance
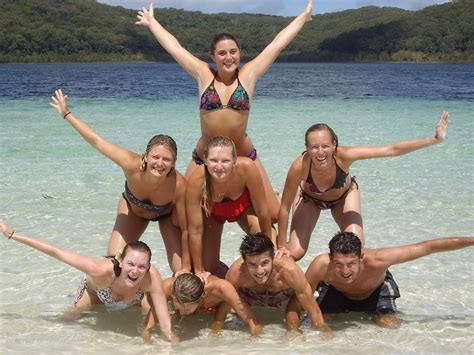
(203, 275)
(59, 102)
(442, 126)
(283, 251)
(145, 16)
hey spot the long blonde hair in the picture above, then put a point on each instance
(217, 141)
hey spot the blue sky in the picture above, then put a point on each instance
(273, 7)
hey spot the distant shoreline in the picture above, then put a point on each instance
(279, 62)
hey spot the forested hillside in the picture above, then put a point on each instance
(85, 31)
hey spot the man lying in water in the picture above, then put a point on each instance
(352, 278)
(263, 280)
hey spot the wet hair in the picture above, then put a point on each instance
(321, 127)
(217, 141)
(221, 37)
(160, 139)
(256, 244)
(135, 245)
(188, 288)
(345, 243)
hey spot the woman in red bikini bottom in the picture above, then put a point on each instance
(188, 294)
(225, 188)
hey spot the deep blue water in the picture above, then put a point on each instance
(283, 80)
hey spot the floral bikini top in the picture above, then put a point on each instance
(239, 100)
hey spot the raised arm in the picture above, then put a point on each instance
(88, 265)
(289, 192)
(195, 219)
(351, 154)
(160, 306)
(255, 69)
(122, 157)
(257, 195)
(397, 255)
(191, 64)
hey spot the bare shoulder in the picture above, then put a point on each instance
(151, 280)
(168, 286)
(245, 164)
(379, 257)
(236, 275)
(301, 161)
(343, 153)
(102, 268)
(319, 265)
(218, 284)
(132, 164)
(286, 265)
(180, 183)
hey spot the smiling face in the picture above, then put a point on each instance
(320, 147)
(259, 267)
(220, 162)
(160, 160)
(135, 266)
(346, 267)
(226, 55)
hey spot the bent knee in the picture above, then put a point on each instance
(297, 254)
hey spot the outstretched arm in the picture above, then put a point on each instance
(397, 255)
(193, 65)
(88, 265)
(122, 157)
(396, 149)
(255, 69)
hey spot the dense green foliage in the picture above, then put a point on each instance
(84, 31)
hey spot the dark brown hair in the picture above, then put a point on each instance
(221, 37)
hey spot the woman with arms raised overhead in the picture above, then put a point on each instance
(226, 91)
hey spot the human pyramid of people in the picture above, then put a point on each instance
(223, 183)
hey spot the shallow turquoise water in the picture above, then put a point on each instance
(55, 186)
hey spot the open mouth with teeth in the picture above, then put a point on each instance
(260, 278)
(131, 278)
(346, 277)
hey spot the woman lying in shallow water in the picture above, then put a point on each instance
(189, 294)
(116, 283)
